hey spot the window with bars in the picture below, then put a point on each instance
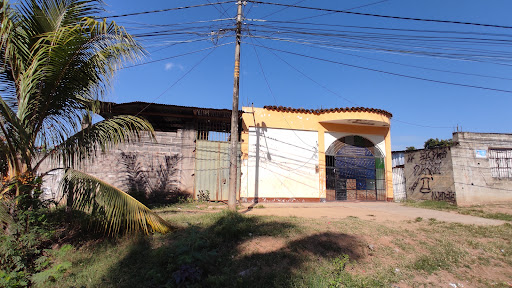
(213, 131)
(500, 161)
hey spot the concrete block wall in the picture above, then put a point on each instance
(151, 168)
(429, 175)
(472, 173)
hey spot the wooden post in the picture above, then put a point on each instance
(233, 149)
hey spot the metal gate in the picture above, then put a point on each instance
(212, 169)
(355, 170)
(399, 193)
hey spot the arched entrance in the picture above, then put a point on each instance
(355, 170)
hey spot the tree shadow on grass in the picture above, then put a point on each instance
(216, 254)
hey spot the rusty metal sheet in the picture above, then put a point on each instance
(212, 169)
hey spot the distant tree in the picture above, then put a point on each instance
(436, 143)
(410, 148)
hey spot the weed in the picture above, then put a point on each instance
(340, 277)
(418, 219)
(203, 196)
(442, 255)
(430, 204)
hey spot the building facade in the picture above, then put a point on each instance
(477, 169)
(301, 155)
(162, 168)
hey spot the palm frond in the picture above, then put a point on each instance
(6, 219)
(101, 136)
(15, 141)
(117, 211)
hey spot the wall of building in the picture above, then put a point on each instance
(282, 165)
(472, 171)
(152, 169)
(429, 175)
(324, 125)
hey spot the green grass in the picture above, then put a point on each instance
(221, 249)
(429, 204)
(442, 255)
(483, 214)
(446, 206)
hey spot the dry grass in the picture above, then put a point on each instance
(221, 249)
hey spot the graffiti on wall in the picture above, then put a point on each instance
(425, 175)
(430, 162)
(444, 196)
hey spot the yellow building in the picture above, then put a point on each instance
(301, 155)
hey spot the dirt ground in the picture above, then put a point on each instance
(377, 211)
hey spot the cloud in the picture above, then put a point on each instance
(170, 66)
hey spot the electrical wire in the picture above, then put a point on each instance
(353, 8)
(333, 92)
(311, 79)
(164, 10)
(223, 12)
(176, 56)
(383, 16)
(398, 63)
(282, 9)
(386, 72)
(177, 81)
(358, 46)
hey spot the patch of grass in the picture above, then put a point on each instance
(204, 252)
(226, 249)
(443, 255)
(488, 215)
(429, 204)
(478, 211)
(340, 277)
(418, 219)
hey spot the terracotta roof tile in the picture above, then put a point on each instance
(329, 110)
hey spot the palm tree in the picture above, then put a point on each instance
(56, 63)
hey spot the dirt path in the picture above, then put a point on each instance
(378, 211)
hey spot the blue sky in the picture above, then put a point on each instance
(421, 109)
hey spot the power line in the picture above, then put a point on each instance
(222, 13)
(384, 16)
(386, 72)
(358, 46)
(353, 8)
(176, 56)
(176, 24)
(381, 28)
(165, 10)
(280, 10)
(420, 125)
(179, 79)
(397, 63)
(273, 96)
(333, 92)
(311, 79)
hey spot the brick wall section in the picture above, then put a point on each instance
(429, 175)
(148, 167)
(472, 176)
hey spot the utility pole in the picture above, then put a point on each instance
(233, 147)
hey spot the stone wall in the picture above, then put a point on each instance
(155, 170)
(472, 171)
(429, 175)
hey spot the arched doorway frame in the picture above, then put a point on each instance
(355, 170)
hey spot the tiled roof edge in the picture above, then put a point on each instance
(330, 110)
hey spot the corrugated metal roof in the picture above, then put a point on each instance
(330, 110)
(398, 159)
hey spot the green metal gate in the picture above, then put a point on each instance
(212, 169)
